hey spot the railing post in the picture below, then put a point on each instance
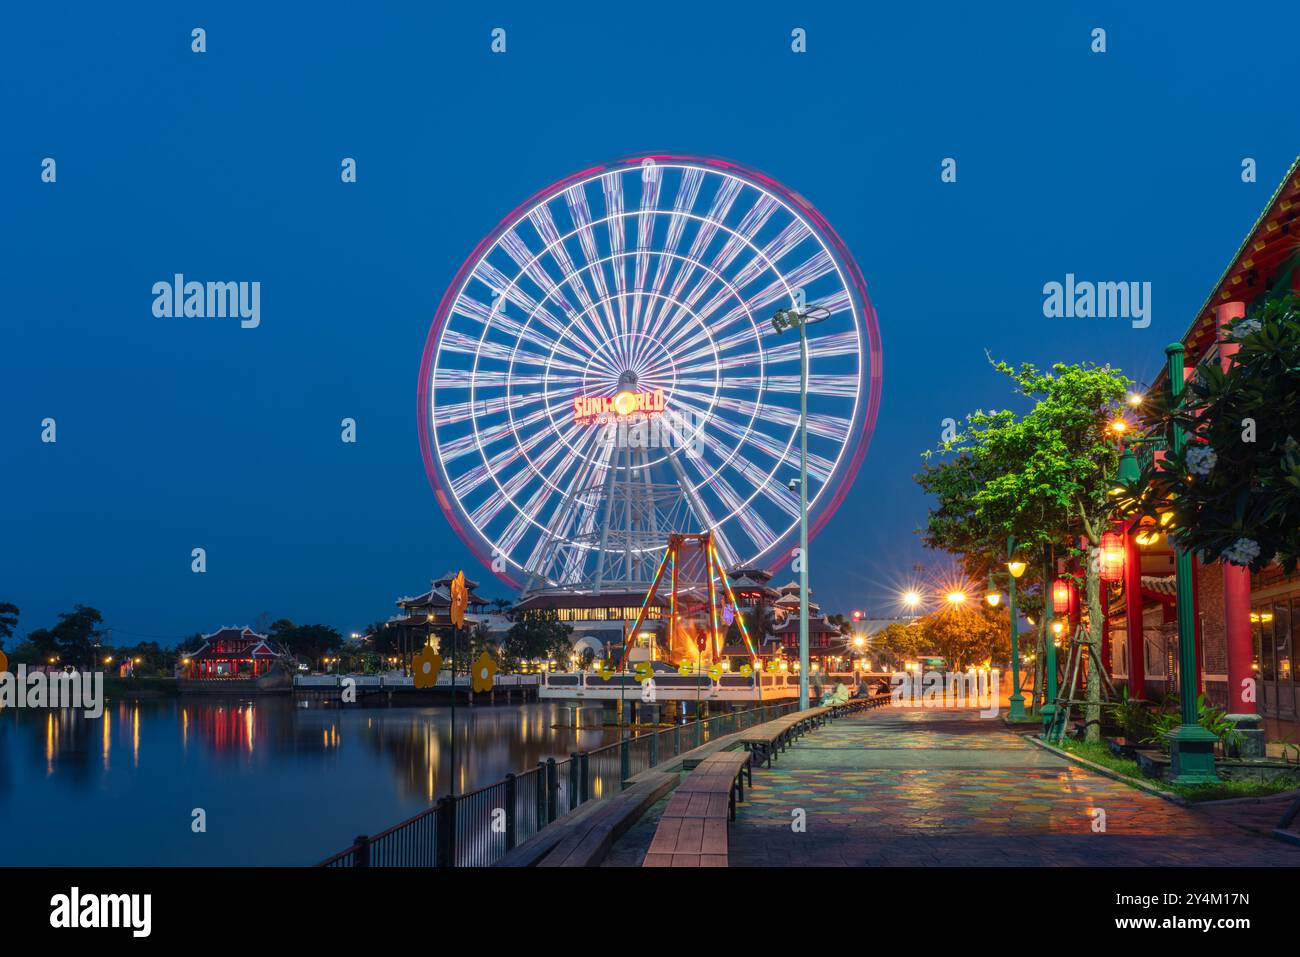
(573, 780)
(552, 789)
(654, 735)
(362, 858)
(511, 792)
(584, 786)
(699, 730)
(541, 795)
(624, 762)
(446, 831)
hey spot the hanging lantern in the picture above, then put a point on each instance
(1112, 557)
(1060, 596)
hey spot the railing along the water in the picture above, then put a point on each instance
(478, 828)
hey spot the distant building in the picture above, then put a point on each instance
(231, 653)
(429, 615)
(824, 639)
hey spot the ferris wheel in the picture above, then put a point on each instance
(603, 372)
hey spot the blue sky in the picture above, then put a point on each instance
(1122, 166)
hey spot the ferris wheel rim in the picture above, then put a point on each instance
(870, 373)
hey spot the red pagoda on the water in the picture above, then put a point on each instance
(232, 653)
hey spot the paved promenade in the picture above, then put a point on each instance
(901, 786)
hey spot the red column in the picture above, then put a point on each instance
(1137, 673)
(1106, 663)
(1236, 579)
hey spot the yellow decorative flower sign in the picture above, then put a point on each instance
(746, 670)
(715, 671)
(605, 670)
(773, 665)
(459, 599)
(685, 668)
(485, 669)
(643, 671)
(425, 667)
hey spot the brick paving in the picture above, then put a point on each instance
(944, 787)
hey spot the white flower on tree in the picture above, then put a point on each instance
(1201, 460)
(1242, 552)
(1246, 327)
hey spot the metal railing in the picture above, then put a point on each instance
(477, 829)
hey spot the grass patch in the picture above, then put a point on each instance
(1099, 753)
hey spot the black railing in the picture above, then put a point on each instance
(478, 829)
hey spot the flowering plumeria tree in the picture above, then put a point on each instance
(1235, 494)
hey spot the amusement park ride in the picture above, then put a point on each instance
(688, 636)
(601, 393)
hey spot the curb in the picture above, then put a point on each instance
(1107, 772)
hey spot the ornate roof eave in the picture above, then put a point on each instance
(1203, 323)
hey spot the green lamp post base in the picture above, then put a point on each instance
(1050, 721)
(1191, 753)
(1017, 711)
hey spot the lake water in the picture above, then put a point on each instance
(280, 783)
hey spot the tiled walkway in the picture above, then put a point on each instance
(926, 787)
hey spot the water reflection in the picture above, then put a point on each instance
(121, 788)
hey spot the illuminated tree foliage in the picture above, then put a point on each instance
(1235, 491)
(1043, 477)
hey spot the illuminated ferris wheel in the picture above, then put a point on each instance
(602, 372)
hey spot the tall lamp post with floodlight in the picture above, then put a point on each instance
(795, 319)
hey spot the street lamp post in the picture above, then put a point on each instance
(1191, 747)
(789, 319)
(1014, 570)
(1049, 648)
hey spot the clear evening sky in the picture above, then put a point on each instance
(183, 433)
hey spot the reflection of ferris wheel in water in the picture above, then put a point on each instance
(602, 372)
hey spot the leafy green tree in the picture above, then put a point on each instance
(1235, 491)
(76, 635)
(899, 642)
(1044, 477)
(8, 620)
(538, 635)
(307, 642)
(966, 636)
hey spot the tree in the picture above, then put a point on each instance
(307, 642)
(76, 634)
(899, 641)
(966, 636)
(1044, 477)
(537, 635)
(1235, 490)
(8, 620)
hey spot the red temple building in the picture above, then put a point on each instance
(1247, 627)
(231, 653)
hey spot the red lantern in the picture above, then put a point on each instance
(1112, 557)
(1060, 596)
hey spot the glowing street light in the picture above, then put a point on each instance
(955, 597)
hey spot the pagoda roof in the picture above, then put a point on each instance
(755, 574)
(255, 645)
(816, 626)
